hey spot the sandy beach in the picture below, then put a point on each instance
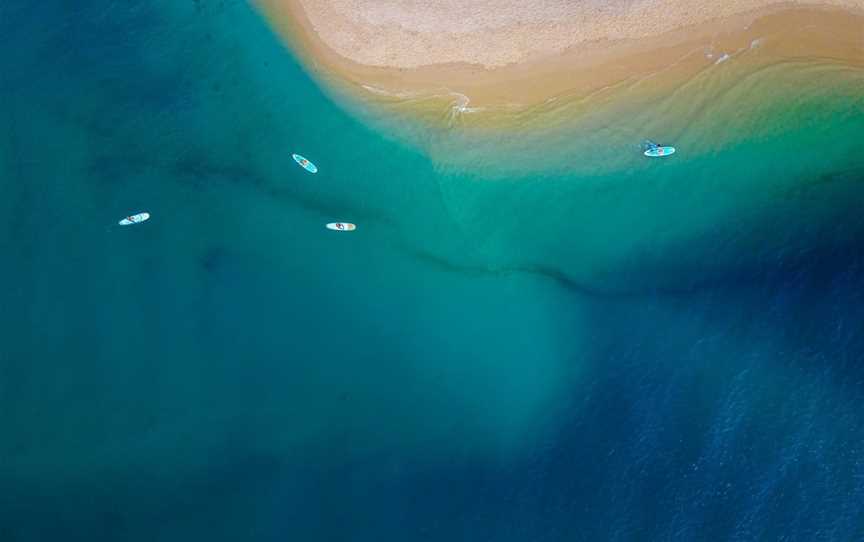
(500, 52)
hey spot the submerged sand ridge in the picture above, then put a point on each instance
(495, 33)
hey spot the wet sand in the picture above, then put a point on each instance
(494, 54)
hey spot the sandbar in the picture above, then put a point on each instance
(516, 52)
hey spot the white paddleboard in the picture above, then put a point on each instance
(656, 152)
(134, 219)
(305, 163)
(341, 226)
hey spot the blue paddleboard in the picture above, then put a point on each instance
(305, 164)
(655, 152)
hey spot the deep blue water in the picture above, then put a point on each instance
(231, 370)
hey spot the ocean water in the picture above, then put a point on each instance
(571, 343)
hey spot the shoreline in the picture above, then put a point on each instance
(653, 64)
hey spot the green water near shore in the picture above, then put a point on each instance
(565, 187)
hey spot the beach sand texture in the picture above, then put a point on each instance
(494, 33)
(504, 52)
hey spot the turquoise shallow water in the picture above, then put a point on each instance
(621, 350)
